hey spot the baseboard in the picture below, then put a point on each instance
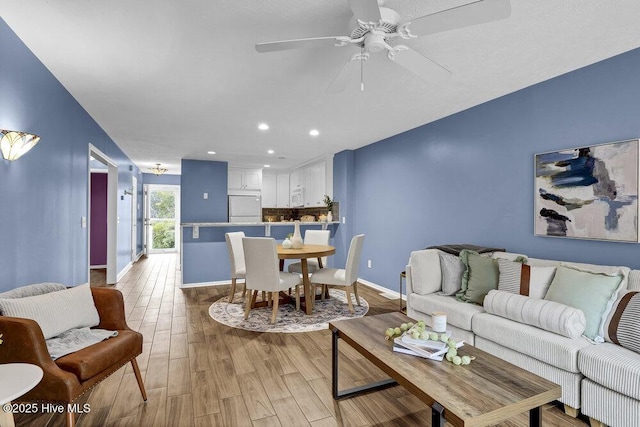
(202, 284)
(124, 271)
(97, 267)
(381, 288)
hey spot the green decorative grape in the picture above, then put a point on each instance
(449, 356)
(466, 360)
(444, 338)
(433, 336)
(456, 360)
(397, 331)
(404, 327)
(415, 335)
(410, 324)
(424, 335)
(390, 332)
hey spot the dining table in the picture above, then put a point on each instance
(303, 254)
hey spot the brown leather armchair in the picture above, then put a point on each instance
(70, 376)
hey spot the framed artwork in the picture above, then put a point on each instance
(588, 192)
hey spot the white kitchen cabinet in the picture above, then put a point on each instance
(282, 190)
(270, 191)
(314, 184)
(275, 190)
(244, 179)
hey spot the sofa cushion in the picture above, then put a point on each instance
(459, 314)
(613, 367)
(94, 359)
(452, 271)
(480, 276)
(548, 315)
(593, 293)
(55, 312)
(425, 274)
(523, 279)
(624, 327)
(545, 346)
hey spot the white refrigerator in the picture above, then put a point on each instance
(245, 209)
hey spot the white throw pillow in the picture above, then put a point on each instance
(548, 315)
(540, 279)
(55, 312)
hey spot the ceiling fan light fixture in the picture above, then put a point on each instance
(157, 170)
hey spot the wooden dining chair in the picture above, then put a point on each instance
(346, 278)
(236, 258)
(312, 237)
(263, 274)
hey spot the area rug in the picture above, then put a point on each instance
(288, 320)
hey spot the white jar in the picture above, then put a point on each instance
(439, 321)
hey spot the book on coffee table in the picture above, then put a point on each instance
(428, 349)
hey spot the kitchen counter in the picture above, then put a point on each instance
(267, 225)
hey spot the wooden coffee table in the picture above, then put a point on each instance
(486, 392)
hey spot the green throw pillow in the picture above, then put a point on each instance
(480, 276)
(590, 292)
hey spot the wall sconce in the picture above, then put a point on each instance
(158, 170)
(14, 144)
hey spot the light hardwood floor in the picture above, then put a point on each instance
(198, 372)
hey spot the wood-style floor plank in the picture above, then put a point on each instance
(198, 372)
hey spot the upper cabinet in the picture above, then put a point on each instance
(275, 190)
(241, 179)
(312, 179)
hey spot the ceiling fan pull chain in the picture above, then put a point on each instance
(362, 71)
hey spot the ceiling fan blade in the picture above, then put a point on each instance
(478, 12)
(420, 65)
(349, 73)
(365, 10)
(300, 43)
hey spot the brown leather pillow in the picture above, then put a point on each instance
(624, 328)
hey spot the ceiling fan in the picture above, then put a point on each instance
(376, 29)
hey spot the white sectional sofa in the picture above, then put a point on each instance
(602, 380)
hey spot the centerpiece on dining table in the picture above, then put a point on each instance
(293, 240)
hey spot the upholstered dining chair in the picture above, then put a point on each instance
(236, 258)
(346, 278)
(312, 237)
(263, 273)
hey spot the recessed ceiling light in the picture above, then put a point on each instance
(314, 132)
(270, 151)
(263, 126)
(211, 152)
(267, 166)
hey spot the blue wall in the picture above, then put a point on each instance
(166, 179)
(468, 178)
(44, 194)
(199, 177)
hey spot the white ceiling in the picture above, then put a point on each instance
(169, 79)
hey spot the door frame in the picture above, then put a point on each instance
(134, 219)
(112, 214)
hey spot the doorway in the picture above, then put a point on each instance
(162, 218)
(97, 157)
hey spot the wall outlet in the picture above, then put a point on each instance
(344, 219)
(205, 196)
(369, 263)
(83, 222)
(196, 231)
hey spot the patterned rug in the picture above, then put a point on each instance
(288, 320)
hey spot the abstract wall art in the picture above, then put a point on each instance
(588, 192)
